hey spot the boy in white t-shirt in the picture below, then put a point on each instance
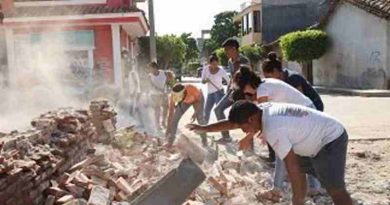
(308, 141)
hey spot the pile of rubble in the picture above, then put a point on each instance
(30, 160)
(59, 163)
(114, 176)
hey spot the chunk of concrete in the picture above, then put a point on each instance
(175, 187)
(99, 196)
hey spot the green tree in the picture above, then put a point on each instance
(224, 27)
(192, 52)
(171, 51)
(253, 52)
(304, 46)
(223, 59)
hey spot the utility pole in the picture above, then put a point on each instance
(153, 55)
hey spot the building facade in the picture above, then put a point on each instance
(264, 21)
(360, 53)
(87, 36)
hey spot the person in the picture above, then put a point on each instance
(160, 85)
(213, 75)
(308, 141)
(183, 97)
(273, 90)
(272, 68)
(231, 47)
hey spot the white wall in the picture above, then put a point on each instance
(358, 57)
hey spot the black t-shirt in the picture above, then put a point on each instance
(297, 80)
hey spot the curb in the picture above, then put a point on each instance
(353, 92)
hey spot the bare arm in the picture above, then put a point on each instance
(262, 99)
(224, 125)
(297, 178)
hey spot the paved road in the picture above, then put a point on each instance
(363, 117)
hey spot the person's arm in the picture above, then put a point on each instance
(225, 75)
(224, 125)
(197, 108)
(297, 178)
(171, 110)
(262, 99)
(204, 77)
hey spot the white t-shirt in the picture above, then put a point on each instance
(305, 130)
(159, 81)
(279, 91)
(216, 79)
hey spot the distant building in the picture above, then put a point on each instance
(360, 53)
(264, 21)
(91, 33)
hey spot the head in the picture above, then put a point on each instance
(247, 81)
(231, 47)
(213, 61)
(178, 92)
(125, 54)
(153, 66)
(272, 67)
(246, 115)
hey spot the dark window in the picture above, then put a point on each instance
(257, 21)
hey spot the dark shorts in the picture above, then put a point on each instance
(329, 164)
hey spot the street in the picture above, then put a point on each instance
(363, 117)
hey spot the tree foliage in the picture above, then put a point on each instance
(223, 59)
(304, 46)
(223, 28)
(170, 51)
(191, 52)
(253, 52)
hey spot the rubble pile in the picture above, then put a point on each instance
(103, 118)
(112, 175)
(30, 160)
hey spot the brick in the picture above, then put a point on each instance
(75, 190)
(64, 199)
(123, 185)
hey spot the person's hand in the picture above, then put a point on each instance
(199, 129)
(246, 143)
(193, 118)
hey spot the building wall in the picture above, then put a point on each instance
(103, 53)
(359, 54)
(280, 16)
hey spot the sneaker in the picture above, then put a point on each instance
(224, 140)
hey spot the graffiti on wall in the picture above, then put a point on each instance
(373, 77)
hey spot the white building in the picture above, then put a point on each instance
(360, 53)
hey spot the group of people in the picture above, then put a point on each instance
(282, 109)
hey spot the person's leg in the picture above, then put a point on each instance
(210, 101)
(219, 113)
(271, 153)
(329, 165)
(280, 174)
(179, 111)
(201, 120)
(164, 109)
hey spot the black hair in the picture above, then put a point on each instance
(246, 76)
(153, 64)
(213, 58)
(238, 94)
(241, 111)
(231, 42)
(178, 87)
(272, 63)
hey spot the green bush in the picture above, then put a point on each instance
(252, 52)
(223, 59)
(303, 46)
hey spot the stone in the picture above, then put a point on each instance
(50, 200)
(64, 199)
(99, 196)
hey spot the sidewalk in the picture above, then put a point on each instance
(353, 92)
